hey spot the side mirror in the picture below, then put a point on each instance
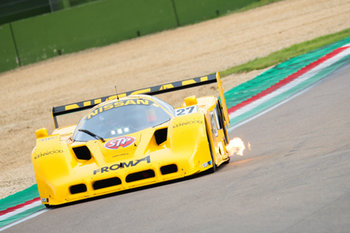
(41, 133)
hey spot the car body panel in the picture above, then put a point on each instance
(187, 144)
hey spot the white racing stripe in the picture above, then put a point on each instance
(290, 85)
(271, 108)
(20, 210)
(23, 219)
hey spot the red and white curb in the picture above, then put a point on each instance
(12, 211)
(23, 219)
(289, 82)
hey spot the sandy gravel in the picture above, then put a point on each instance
(28, 93)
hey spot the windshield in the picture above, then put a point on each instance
(120, 118)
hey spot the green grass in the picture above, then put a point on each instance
(287, 53)
(254, 5)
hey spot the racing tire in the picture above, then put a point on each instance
(213, 169)
(227, 161)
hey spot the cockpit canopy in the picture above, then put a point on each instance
(122, 117)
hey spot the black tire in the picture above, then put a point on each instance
(213, 169)
(226, 162)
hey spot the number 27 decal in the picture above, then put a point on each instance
(185, 111)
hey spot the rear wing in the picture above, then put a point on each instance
(159, 89)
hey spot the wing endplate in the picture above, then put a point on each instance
(223, 100)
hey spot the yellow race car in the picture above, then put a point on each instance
(130, 140)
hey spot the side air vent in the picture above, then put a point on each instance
(82, 152)
(79, 188)
(100, 184)
(161, 135)
(140, 176)
(172, 168)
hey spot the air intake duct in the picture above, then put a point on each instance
(161, 135)
(82, 152)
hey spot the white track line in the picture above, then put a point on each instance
(271, 108)
(23, 219)
(20, 210)
(290, 85)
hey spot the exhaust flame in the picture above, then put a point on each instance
(236, 146)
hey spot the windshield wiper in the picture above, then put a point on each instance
(92, 134)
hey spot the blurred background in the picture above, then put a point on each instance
(34, 30)
(11, 10)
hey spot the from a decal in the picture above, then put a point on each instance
(116, 166)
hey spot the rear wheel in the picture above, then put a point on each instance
(213, 169)
(228, 160)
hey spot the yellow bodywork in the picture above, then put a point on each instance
(193, 143)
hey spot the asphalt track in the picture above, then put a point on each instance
(294, 179)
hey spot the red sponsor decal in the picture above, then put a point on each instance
(120, 142)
